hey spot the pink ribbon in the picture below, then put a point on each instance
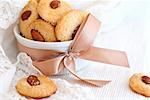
(52, 62)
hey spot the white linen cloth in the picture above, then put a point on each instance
(125, 27)
(7, 71)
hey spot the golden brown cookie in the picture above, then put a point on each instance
(52, 10)
(68, 25)
(42, 31)
(140, 83)
(27, 16)
(36, 87)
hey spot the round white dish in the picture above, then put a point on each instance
(59, 46)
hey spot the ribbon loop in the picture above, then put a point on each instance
(69, 64)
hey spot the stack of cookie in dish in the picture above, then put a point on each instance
(49, 21)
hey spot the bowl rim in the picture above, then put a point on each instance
(18, 36)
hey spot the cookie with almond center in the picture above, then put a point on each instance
(36, 87)
(52, 10)
(140, 83)
(42, 31)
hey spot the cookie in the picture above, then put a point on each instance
(52, 10)
(140, 83)
(27, 16)
(68, 25)
(36, 87)
(42, 31)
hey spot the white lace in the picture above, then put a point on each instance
(9, 11)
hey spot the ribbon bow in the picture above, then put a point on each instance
(81, 47)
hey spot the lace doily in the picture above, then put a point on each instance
(66, 90)
(9, 11)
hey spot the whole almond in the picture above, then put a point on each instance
(55, 4)
(37, 36)
(33, 80)
(146, 79)
(26, 15)
(75, 31)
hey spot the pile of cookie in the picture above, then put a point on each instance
(50, 20)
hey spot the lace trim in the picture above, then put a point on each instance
(9, 11)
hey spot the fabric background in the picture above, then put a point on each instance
(125, 27)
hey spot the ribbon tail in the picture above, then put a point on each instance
(70, 64)
(108, 56)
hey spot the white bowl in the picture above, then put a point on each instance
(62, 46)
(59, 46)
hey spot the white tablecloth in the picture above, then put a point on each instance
(126, 28)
